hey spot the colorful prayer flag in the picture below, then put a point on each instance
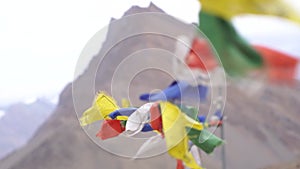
(101, 108)
(110, 128)
(280, 67)
(178, 91)
(227, 9)
(156, 118)
(174, 122)
(138, 119)
(204, 139)
(201, 56)
(235, 54)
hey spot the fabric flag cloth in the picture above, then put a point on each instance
(189, 111)
(122, 113)
(138, 119)
(152, 143)
(174, 122)
(202, 118)
(196, 154)
(227, 9)
(235, 54)
(203, 139)
(156, 118)
(173, 92)
(193, 113)
(147, 127)
(101, 108)
(178, 91)
(280, 67)
(181, 70)
(156, 124)
(216, 120)
(201, 56)
(179, 164)
(110, 128)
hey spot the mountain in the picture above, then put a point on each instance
(20, 122)
(262, 126)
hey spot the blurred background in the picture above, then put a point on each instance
(40, 46)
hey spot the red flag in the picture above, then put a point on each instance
(155, 118)
(179, 165)
(110, 128)
(280, 67)
(201, 56)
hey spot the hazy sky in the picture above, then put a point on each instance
(1, 113)
(42, 40)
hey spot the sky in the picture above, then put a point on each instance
(1, 113)
(42, 40)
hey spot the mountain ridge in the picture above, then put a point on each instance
(62, 143)
(28, 118)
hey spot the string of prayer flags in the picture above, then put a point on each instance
(175, 126)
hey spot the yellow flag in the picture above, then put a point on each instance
(192, 123)
(229, 8)
(174, 122)
(122, 117)
(101, 108)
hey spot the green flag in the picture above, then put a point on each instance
(236, 55)
(189, 111)
(204, 139)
